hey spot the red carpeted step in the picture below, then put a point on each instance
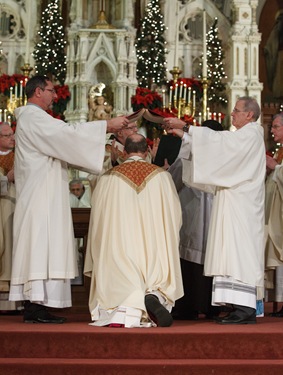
(55, 366)
(186, 348)
(139, 344)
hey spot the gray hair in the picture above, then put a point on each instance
(251, 105)
(280, 116)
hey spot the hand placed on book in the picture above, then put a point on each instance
(173, 123)
(116, 123)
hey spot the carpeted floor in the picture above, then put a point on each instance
(188, 347)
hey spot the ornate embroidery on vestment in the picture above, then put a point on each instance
(136, 173)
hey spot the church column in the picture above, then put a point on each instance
(245, 42)
(132, 63)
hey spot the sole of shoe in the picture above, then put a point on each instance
(160, 315)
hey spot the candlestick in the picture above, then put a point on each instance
(177, 34)
(204, 63)
(219, 117)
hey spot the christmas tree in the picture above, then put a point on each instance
(215, 68)
(150, 46)
(49, 53)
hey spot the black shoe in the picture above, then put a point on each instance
(278, 314)
(233, 318)
(35, 313)
(158, 313)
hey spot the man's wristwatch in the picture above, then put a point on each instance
(186, 128)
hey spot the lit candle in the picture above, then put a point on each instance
(170, 95)
(21, 89)
(16, 91)
(5, 115)
(9, 120)
(194, 99)
(163, 97)
(11, 94)
(176, 91)
(214, 116)
(199, 117)
(194, 122)
(189, 98)
(177, 34)
(207, 110)
(219, 117)
(0, 115)
(204, 63)
(181, 90)
(185, 92)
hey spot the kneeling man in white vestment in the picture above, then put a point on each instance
(132, 253)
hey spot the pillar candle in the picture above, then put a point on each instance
(194, 99)
(0, 115)
(189, 98)
(181, 90)
(170, 94)
(5, 115)
(185, 92)
(11, 93)
(21, 89)
(163, 97)
(176, 91)
(219, 117)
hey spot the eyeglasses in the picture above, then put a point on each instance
(131, 127)
(51, 90)
(236, 110)
(276, 126)
(7, 135)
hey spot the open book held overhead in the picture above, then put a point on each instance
(147, 114)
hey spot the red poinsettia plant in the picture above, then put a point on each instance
(7, 81)
(60, 103)
(146, 98)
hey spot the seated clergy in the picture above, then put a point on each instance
(132, 253)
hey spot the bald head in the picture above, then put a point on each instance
(136, 145)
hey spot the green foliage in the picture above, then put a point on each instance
(150, 46)
(215, 71)
(49, 52)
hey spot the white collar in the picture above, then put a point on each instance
(5, 152)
